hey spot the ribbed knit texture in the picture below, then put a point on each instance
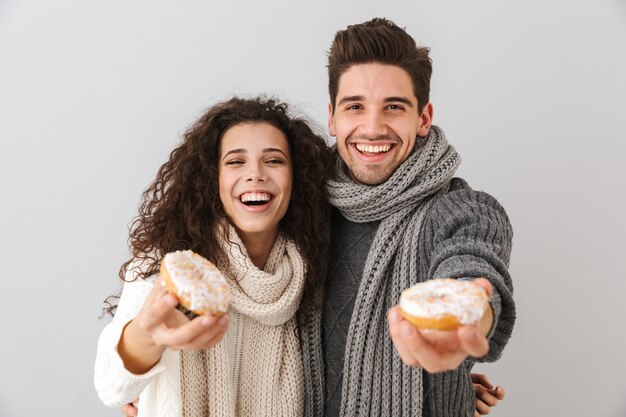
(372, 373)
(350, 243)
(464, 234)
(467, 234)
(257, 372)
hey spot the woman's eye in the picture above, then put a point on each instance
(275, 161)
(234, 162)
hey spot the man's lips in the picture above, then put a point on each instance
(373, 148)
(373, 152)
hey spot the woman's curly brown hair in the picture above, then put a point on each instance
(182, 205)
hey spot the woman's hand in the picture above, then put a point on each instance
(159, 326)
(487, 396)
(130, 409)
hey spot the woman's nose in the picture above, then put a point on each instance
(256, 173)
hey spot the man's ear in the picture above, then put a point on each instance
(426, 119)
(331, 121)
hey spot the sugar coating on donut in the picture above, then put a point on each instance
(439, 298)
(198, 282)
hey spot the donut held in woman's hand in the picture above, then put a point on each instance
(198, 284)
(443, 304)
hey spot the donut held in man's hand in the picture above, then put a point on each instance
(198, 284)
(443, 304)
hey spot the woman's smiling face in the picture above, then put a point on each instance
(255, 178)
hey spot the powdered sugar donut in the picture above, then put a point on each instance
(443, 304)
(198, 284)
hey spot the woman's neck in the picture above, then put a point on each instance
(258, 246)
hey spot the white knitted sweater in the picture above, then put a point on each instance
(159, 389)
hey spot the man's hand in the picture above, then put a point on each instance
(487, 396)
(439, 351)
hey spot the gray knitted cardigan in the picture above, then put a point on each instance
(465, 234)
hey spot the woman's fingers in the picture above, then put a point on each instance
(158, 311)
(194, 334)
(211, 336)
(176, 337)
(129, 409)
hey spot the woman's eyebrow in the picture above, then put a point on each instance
(239, 150)
(274, 150)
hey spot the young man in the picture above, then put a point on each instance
(401, 217)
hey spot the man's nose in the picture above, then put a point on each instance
(374, 124)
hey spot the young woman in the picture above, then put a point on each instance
(245, 189)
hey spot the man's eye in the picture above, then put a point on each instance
(394, 107)
(354, 107)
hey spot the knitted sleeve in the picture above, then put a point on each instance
(467, 234)
(114, 384)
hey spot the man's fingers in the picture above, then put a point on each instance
(484, 282)
(482, 408)
(473, 342)
(395, 329)
(415, 350)
(499, 393)
(486, 396)
(481, 379)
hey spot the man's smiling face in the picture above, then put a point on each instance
(376, 120)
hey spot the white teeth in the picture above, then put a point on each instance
(246, 197)
(361, 147)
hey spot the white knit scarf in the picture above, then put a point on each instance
(375, 381)
(268, 354)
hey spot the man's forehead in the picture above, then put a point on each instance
(378, 82)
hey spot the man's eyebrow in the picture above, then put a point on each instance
(402, 100)
(350, 98)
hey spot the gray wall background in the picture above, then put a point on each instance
(94, 95)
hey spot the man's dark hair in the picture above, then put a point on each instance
(379, 41)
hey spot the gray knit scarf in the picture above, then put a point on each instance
(375, 381)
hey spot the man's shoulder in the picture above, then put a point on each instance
(457, 184)
(462, 197)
